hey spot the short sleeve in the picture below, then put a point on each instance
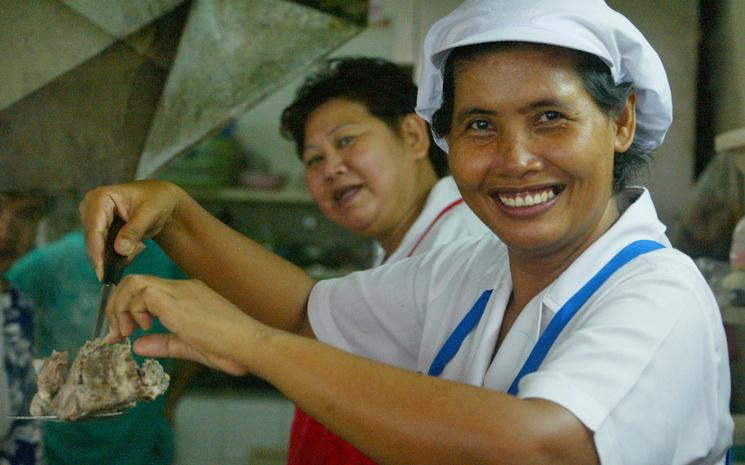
(373, 313)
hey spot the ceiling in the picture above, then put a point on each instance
(111, 90)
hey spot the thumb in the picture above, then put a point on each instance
(144, 221)
(167, 346)
(129, 239)
(128, 242)
(171, 346)
(159, 346)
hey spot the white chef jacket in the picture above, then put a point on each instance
(444, 218)
(643, 364)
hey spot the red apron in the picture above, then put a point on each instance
(310, 442)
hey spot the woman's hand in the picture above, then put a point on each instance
(258, 282)
(147, 207)
(204, 326)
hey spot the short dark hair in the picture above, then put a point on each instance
(598, 81)
(387, 91)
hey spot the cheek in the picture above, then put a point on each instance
(378, 171)
(596, 166)
(580, 156)
(466, 166)
(314, 183)
(593, 152)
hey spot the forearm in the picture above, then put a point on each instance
(262, 284)
(402, 417)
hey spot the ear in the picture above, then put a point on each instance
(626, 125)
(415, 134)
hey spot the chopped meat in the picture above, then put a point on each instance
(103, 378)
(55, 371)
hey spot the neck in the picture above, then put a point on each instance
(391, 239)
(534, 271)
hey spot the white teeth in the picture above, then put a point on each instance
(527, 200)
(531, 200)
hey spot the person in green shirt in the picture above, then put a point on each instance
(60, 280)
(20, 440)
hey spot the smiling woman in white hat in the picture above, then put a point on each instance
(582, 338)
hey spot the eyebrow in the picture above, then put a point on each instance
(543, 103)
(546, 103)
(474, 111)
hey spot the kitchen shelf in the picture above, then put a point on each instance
(733, 315)
(734, 142)
(730, 140)
(739, 428)
(738, 440)
(244, 195)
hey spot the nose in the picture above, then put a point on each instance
(335, 164)
(515, 155)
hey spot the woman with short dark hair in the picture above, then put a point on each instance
(371, 166)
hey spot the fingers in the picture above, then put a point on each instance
(155, 345)
(141, 304)
(134, 302)
(139, 204)
(195, 315)
(97, 210)
(129, 240)
(167, 345)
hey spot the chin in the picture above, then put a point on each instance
(359, 227)
(529, 239)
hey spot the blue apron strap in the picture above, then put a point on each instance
(464, 328)
(572, 306)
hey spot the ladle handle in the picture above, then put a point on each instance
(113, 263)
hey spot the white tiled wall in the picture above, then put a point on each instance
(228, 428)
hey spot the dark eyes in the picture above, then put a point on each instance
(550, 116)
(344, 141)
(479, 125)
(312, 160)
(545, 117)
(340, 143)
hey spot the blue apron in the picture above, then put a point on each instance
(559, 321)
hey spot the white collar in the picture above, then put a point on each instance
(444, 192)
(638, 220)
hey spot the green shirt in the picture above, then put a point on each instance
(60, 280)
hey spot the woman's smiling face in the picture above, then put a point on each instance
(358, 170)
(531, 151)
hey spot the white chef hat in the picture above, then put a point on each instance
(587, 25)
